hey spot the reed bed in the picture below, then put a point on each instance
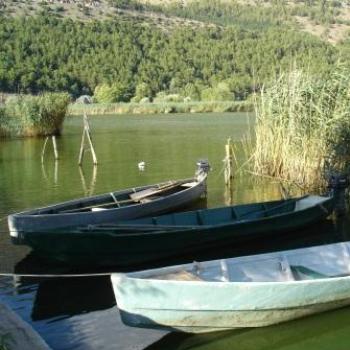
(34, 115)
(160, 107)
(302, 130)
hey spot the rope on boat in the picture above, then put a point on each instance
(8, 274)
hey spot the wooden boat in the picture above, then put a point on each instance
(251, 291)
(112, 207)
(155, 238)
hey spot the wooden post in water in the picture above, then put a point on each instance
(228, 163)
(87, 134)
(54, 144)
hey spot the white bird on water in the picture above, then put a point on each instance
(141, 165)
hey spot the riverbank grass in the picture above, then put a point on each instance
(160, 107)
(33, 115)
(302, 128)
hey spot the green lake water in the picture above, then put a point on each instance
(81, 314)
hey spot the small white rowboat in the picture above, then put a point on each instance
(251, 291)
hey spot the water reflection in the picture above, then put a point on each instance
(229, 193)
(55, 173)
(79, 313)
(65, 297)
(89, 190)
(330, 330)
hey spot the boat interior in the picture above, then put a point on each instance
(319, 262)
(119, 198)
(216, 216)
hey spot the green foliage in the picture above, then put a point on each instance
(106, 93)
(127, 4)
(122, 58)
(142, 91)
(59, 9)
(228, 13)
(164, 97)
(221, 92)
(192, 91)
(161, 107)
(34, 115)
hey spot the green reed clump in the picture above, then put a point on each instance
(34, 115)
(302, 128)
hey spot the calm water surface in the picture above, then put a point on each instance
(80, 313)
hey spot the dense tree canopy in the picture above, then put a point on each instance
(124, 58)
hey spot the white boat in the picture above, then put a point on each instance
(250, 291)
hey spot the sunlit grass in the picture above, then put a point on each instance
(159, 108)
(302, 128)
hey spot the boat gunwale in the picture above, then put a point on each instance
(199, 227)
(115, 276)
(32, 212)
(120, 276)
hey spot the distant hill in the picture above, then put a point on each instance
(124, 50)
(328, 20)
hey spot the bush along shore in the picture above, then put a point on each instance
(160, 107)
(302, 131)
(27, 115)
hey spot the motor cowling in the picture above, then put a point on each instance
(203, 166)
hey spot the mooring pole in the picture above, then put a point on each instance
(54, 144)
(44, 148)
(81, 152)
(228, 163)
(87, 133)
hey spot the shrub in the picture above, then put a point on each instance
(105, 93)
(164, 97)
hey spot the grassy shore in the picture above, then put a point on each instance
(302, 131)
(33, 115)
(158, 108)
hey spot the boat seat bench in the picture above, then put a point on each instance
(181, 275)
(150, 199)
(301, 272)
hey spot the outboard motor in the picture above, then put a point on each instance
(203, 167)
(337, 185)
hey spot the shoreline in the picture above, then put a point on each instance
(160, 108)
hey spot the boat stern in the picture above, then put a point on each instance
(11, 222)
(203, 168)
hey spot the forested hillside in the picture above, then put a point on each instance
(201, 50)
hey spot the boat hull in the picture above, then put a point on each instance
(196, 321)
(23, 224)
(201, 306)
(112, 248)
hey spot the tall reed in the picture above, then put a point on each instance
(302, 128)
(34, 115)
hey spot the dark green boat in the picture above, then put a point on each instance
(155, 238)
